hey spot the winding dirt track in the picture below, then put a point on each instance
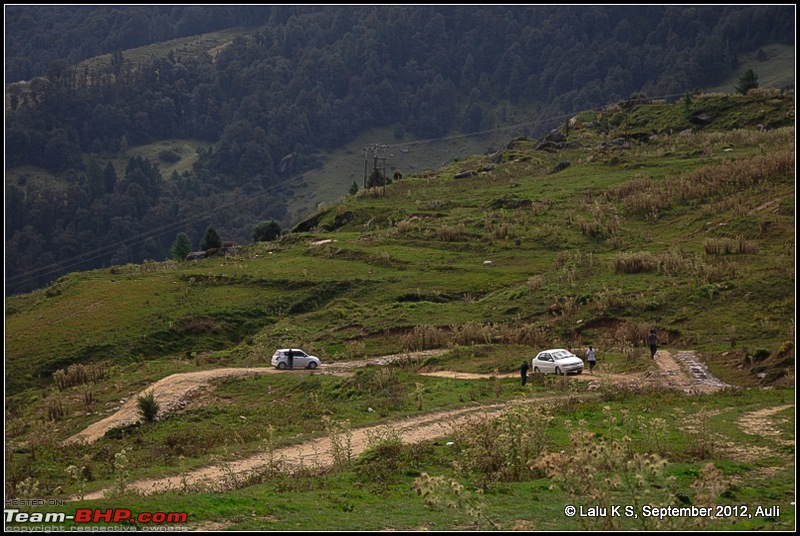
(679, 371)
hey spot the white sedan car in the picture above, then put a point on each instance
(300, 359)
(557, 361)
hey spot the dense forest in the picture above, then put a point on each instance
(295, 81)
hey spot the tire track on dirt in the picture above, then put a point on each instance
(319, 453)
(173, 391)
(759, 423)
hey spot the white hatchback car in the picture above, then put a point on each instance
(300, 359)
(557, 361)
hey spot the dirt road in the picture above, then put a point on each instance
(679, 370)
(173, 392)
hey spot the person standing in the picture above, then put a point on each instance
(652, 340)
(290, 359)
(591, 357)
(523, 372)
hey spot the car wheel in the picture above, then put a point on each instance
(536, 370)
(282, 365)
(558, 371)
(312, 365)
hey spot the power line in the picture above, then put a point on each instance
(56, 267)
(97, 253)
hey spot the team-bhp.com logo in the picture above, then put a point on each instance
(95, 515)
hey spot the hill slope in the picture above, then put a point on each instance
(627, 222)
(678, 217)
(278, 89)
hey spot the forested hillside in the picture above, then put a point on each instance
(295, 81)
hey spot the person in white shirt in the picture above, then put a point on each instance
(591, 357)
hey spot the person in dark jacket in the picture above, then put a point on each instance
(523, 371)
(290, 359)
(652, 340)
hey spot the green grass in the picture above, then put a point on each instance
(184, 47)
(185, 149)
(773, 72)
(353, 498)
(408, 271)
(438, 255)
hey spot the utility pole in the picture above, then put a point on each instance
(366, 149)
(378, 152)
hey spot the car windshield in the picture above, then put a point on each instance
(562, 354)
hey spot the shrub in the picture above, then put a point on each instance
(601, 469)
(441, 491)
(424, 337)
(728, 246)
(55, 408)
(498, 449)
(761, 354)
(384, 457)
(266, 231)
(148, 406)
(79, 374)
(451, 233)
(471, 333)
(635, 263)
(382, 383)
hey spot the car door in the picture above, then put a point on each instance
(547, 363)
(300, 358)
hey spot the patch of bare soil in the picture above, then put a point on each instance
(315, 454)
(173, 392)
(683, 371)
(760, 423)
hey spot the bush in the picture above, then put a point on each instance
(761, 354)
(266, 231)
(499, 448)
(635, 263)
(148, 406)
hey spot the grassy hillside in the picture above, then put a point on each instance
(330, 182)
(774, 65)
(677, 231)
(675, 217)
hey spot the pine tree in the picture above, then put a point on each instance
(181, 247)
(211, 239)
(746, 82)
(376, 178)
